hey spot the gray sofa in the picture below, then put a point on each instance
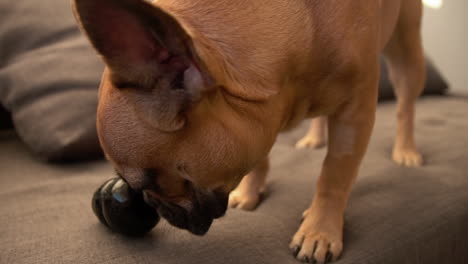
(395, 214)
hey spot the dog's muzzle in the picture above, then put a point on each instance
(197, 214)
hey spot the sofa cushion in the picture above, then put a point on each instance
(48, 79)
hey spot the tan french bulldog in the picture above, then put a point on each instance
(195, 93)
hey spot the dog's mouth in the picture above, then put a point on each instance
(195, 215)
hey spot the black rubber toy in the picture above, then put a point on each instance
(122, 209)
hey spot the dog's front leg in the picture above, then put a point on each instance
(247, 194)
(320, 235)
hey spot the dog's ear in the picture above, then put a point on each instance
(148, 51)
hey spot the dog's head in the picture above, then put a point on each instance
(173, 119)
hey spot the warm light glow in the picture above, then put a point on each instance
(436, 4)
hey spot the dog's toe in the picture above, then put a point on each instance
(316, 243)
(316, 249)
(407, 157)
(311, 142)
(244, 201)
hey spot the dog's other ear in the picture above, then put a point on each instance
(149, 55)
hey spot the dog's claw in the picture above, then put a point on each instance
(328, 257)
(296, 250)
(316, 245)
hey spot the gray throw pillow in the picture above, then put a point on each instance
(49, 77)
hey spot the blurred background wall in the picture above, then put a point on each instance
(445, 36)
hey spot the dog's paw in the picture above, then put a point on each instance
(317, 241)
(407, 157)
(311, 142)
(244, 200)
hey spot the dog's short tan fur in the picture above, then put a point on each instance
(263, 66)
